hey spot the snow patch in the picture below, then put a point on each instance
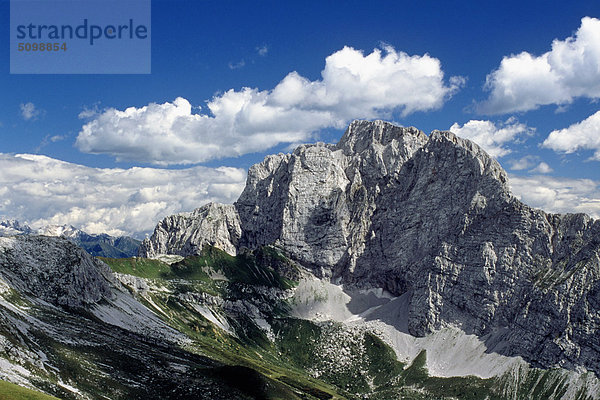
(68, 387)
(59, 230)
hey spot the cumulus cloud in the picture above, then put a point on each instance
(532, 163)
(559, 195)
(29, 111)
(116, 201)
(542, 168)
(523, 163)
(582, 135)
(492, 137)
(571, 69)
(353, 85)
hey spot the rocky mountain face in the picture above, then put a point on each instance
(54, 270)
(214, 326)
(390, 265)
(69, 327)
(12, 227)
(186, 234)
(430, 218)
(101, 245)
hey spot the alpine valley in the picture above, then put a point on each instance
(391, 265)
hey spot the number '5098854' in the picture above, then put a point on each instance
(42, 46)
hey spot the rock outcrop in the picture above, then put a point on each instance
(54, 270)
(185, 234)
(317, 202)
(389, 207)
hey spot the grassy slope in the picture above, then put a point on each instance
(295, 355)
(241, 269)
(142, 267)
(10, 391)
(251, 352)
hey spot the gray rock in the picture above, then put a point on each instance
(317, 202)
(185, 234)
(433, 217)
(54, 270)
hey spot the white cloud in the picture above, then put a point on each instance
(353, 85)
(89, 112)
(542, 168)
(57, 138)
(262, 50)
(570, 70)
(582, 135)
(523, 163)
(532, 163)
(116, 201)
(559, 195)
(490, 136)
(29, 111)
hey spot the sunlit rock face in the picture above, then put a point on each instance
(431, 217)
(185, 234)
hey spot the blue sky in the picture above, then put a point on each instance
(203, 49)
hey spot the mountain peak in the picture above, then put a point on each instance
(102, 245)
(430, 217)
(11, 227)
(487, 164)
(68, 231)
(361, 134)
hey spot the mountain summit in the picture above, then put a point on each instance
(390, 265)
(430, 218)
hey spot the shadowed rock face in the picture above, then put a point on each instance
(429, 216)
(54, 270)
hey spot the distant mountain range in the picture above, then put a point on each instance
(101, 245)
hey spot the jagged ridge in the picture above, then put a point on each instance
(101, 245)
(433, 217)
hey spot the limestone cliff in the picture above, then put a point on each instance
(430, 216)
(185, 234)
